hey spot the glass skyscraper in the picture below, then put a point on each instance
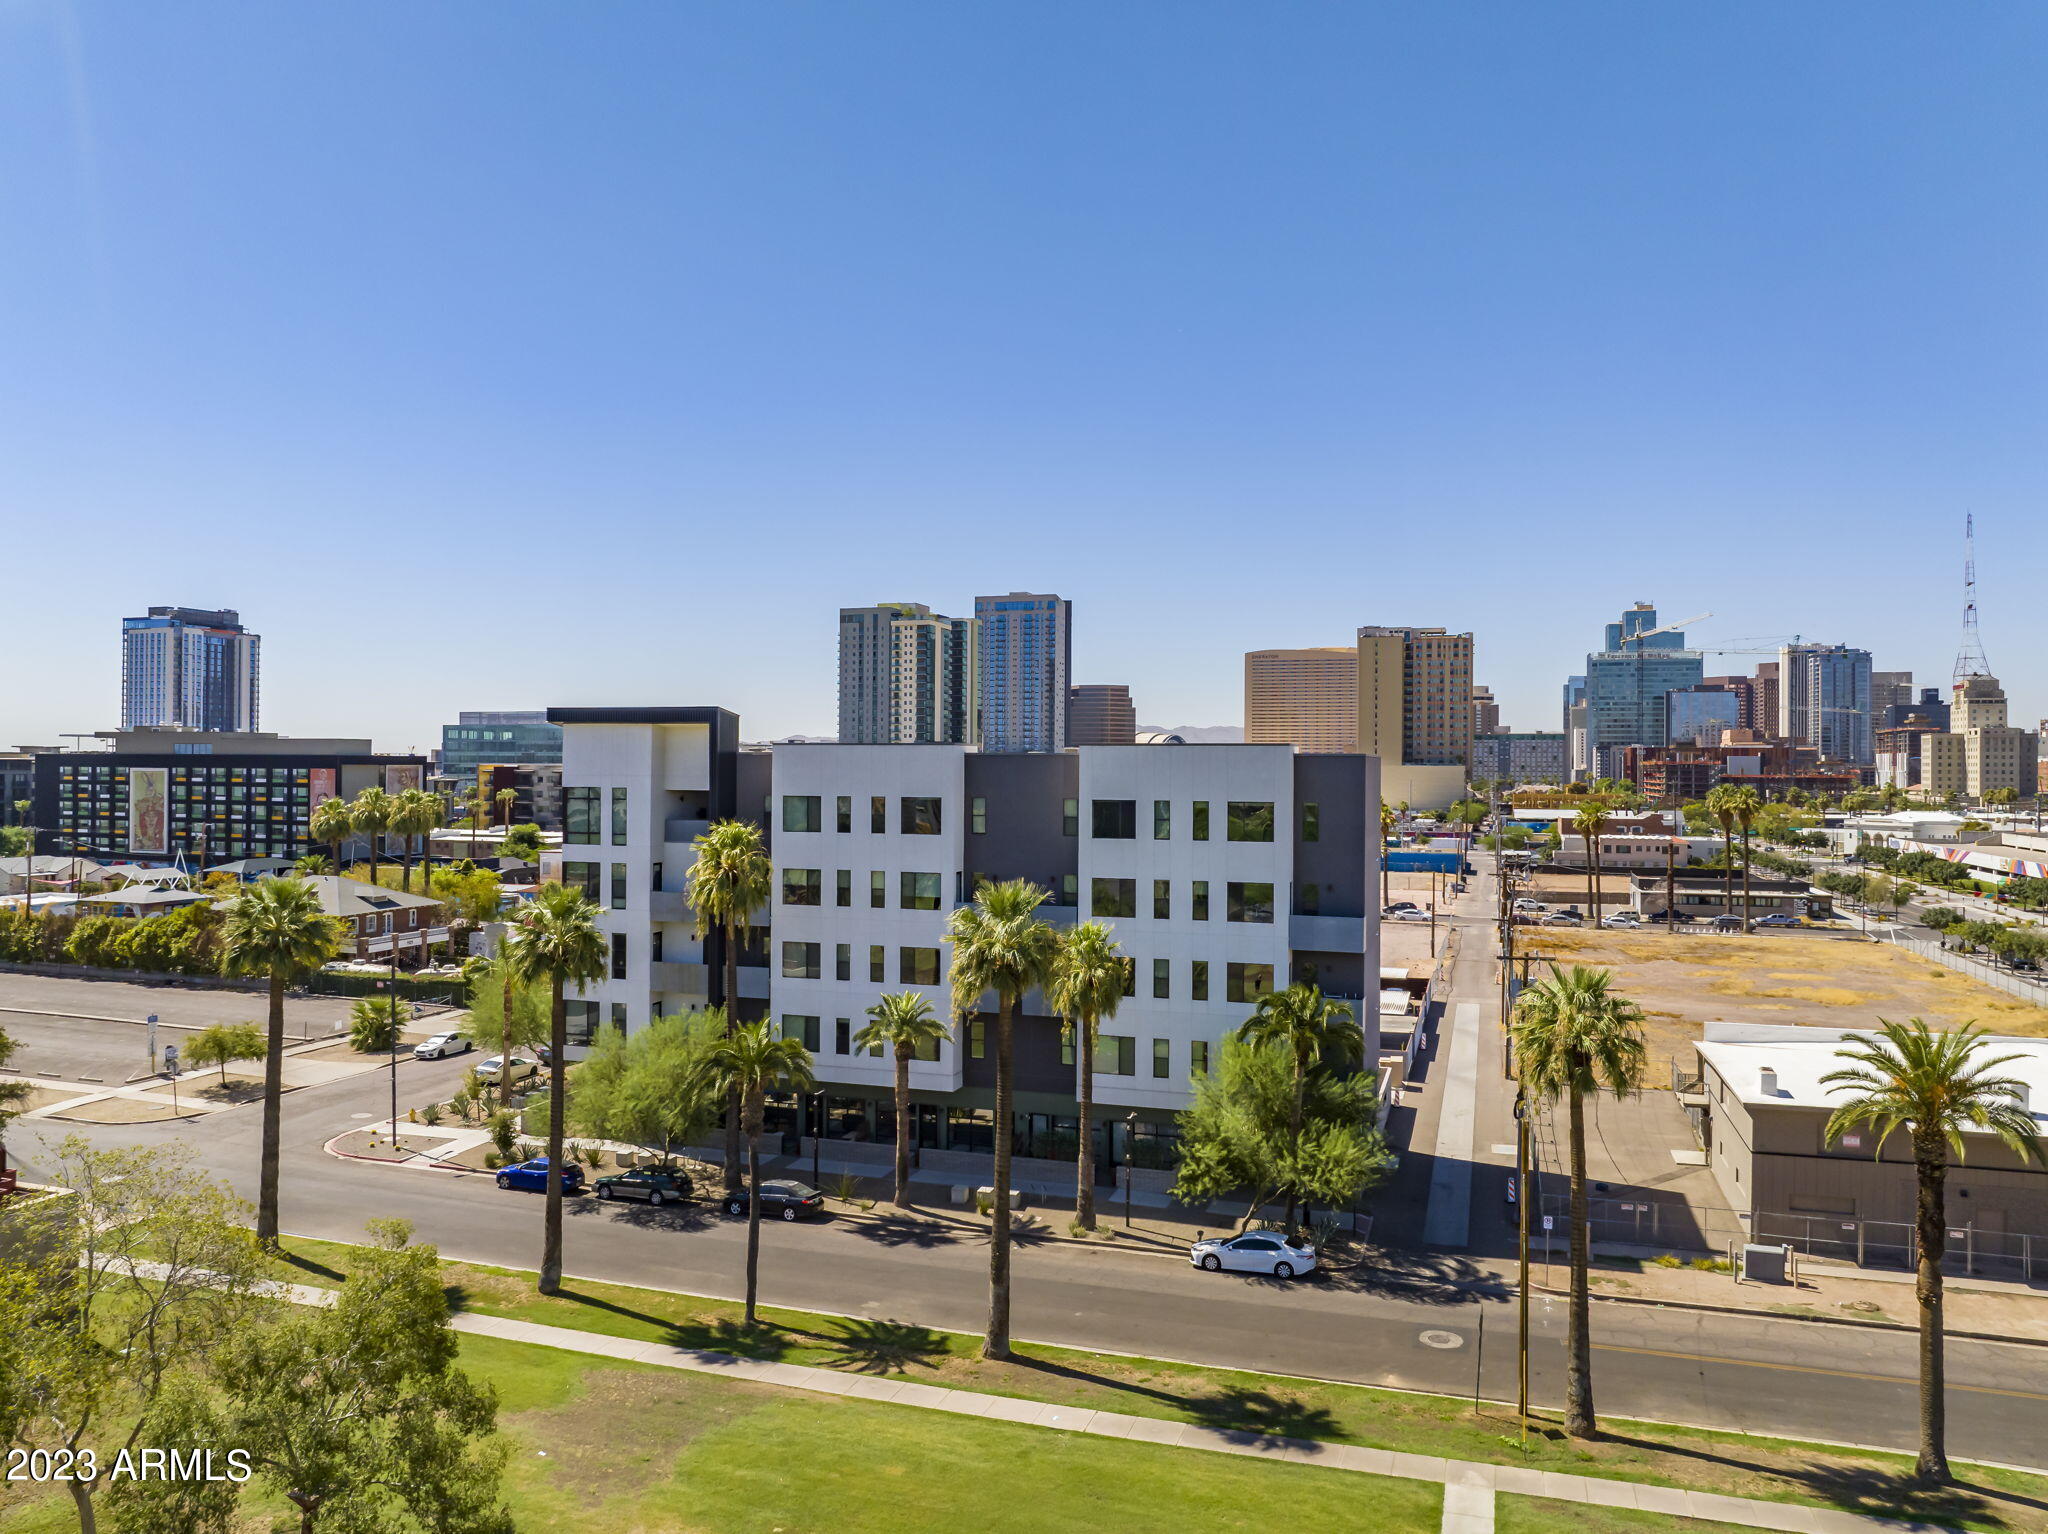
(1627, 682)
(190, 668)
(1025, 644)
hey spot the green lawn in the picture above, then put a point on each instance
(1731, 1463)
(1542, 1515)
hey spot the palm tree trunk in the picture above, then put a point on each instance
(1084, 1155)
(505, 1037)
(731, 1170)
(902, 1125)
(1294, 1130)
(558, 1045)
(1745, 878)
(1932, 1464)
(273, 1115)
(753, 1128)
(1728, 873)
(1592, 882)
(1578, 1380)
(997, 1344)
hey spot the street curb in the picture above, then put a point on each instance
(1787, 1315)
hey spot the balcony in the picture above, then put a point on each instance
(669, 905)
(681, 830)
(679, 978)
(1327, 934)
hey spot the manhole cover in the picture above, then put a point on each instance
(1442, 1339)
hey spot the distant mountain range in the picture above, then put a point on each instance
(1198, 734)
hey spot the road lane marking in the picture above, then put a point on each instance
(1840, 1374)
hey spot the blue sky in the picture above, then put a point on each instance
(500, 354)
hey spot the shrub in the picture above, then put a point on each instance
(492, 1160)
(373, 1024)
(430, 1115)
(1666, 1260)
(502, 1132)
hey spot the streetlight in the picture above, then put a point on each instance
(817, 1141)
(1130, 1144)
(1522, 1258)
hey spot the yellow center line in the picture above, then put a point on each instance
(1840, 1374)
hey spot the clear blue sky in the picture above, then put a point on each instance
(500, 354)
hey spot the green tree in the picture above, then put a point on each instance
(903, 1024)
(222, 1044)
(731, 880)
(558, 944)
(12, 1094)
(1575, 1035)
(1720, 803)
(1000, 944)
(369, 815)
(1089, 974)
(415, 815)
(333, 824)
(1313, 1031)
(506, 798)
(313, 863)
(522, 842)
(751, 1062)
(647, 1087)
(1591, 823)
(374, 1022)
(1935, 1086)
(275, 928)
(472, 895)
(503, 1007)
(95, 941)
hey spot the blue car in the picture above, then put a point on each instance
(533, 1176)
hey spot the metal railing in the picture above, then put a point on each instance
(2029, 986)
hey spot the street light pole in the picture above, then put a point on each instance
(1130, 1144)
(1522, 1196)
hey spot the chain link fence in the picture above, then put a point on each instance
(2027, 985)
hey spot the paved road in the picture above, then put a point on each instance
(1758, 1374)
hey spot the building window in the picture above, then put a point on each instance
(801, 812)
(1070, 817)
(618, 886)
(619, 1016)
(842, 887)
(1311, 822)
(977, 816)
(917, 966)
(1308, 899)
(1198, 980)
(1162, 1058)
(1200, 899)
(803, 1029)
(918, 892)
(581, 1020)
(844, 810)
(1162, 979)
(584, 877)
(618, 956)
(1198, 820)
(1162, 820)
(1198, 1058)
(927, 1049)
(1116, 1054)
(878, 814)
(800, 886)
(842, 1036)
(654, 945)
(1114, 819)
(918, 817)
(1249, 902)
(1247, 982)
(878, 889)
(1112, 897)
(1070, 889)
(877, 967)
(1162, 899)
(800, 961)
(977, 1038)
(618, 817)
(1250, 822)
(842, 964)
(579, 817)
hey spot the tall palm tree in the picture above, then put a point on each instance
(1000, 944)
(1311, 1028)
(731, 880)
(559, 943)
(903, 1024)
(370, 814)
(751, 1062)
(333, 824)
(1744, 802)
(1935, 1086)
(414, 813)
(1591, 823)
(1720, 802)
(275, 927)
(1086, 988)
(1573, 1035)
(506, 797)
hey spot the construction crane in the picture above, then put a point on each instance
(1669, 628)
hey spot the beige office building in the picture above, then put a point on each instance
(1415, 711)
(1980, 751)
(1307, 699)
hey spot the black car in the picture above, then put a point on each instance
(1678, 917)
(781, 1199)
(656, 1185)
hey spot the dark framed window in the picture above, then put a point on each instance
(803, 1029)
(1198, 1058)
(1250, 821)
(1162, 820)
(927, 1049)
(618, 956)
(877, 965)
(800, 961)
(842, 887)
(878, 889)
(801, 812)
(1311, 822)
(801, 886)
(584, 877)
(842, 1036)
(1162, 899)
(843, 810)
(1070, 817)
(1198, 820)
(1198, 980)
(618, 886)
(1162, 1057)
(918, 816)
(1308, 899)
(654, 945)
(1162, 979)
(1112, 897)
(580, 817)
(1113, 819)
(977, 816)
(1130, 976)
(977, 1038)
(1249, 902)
(918, 892)
(619, 1016)
(878, 814)
(619, 837)
(917, 966)
(1198, 899)
(1247, 982)
(1070, 889)
(1116, 1054)
(842, 964)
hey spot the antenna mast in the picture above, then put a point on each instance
(1970, 659)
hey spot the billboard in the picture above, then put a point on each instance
(149, 809)
(398, 779)
(323, 786)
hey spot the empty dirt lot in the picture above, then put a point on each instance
(1683, 982)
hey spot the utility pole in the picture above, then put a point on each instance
(1522, 1197)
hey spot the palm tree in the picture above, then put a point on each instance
(731, 880)
(1000, 944)
(1087, 986)
(1743, 803)
(505, 797)
(333, 824)
(414, 812)
(559, 942)
(369, 813)
(1388, 820)
(750, 1062)
(313, 863)
(1720, 802)
(1935, 1086)
(1311, 1028)
(904, 1024)
(275, 927)
(1574, 1034)
(1591, 823)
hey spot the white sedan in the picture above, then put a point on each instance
(442, 1044)
(1410, 914)
(521, 1068)
(1256, 1251)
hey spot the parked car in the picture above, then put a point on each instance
(1727, 923)
(520, 1069)
(1676, 918)
(1621, 919)
(781, 1199)
(652, 1184)
(532, 1176)
(1561, 919)
(1523, 903)
(1256, 1251)
(1779, 919)
(1397, 905)
(1411, 914)
(442, 1044)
